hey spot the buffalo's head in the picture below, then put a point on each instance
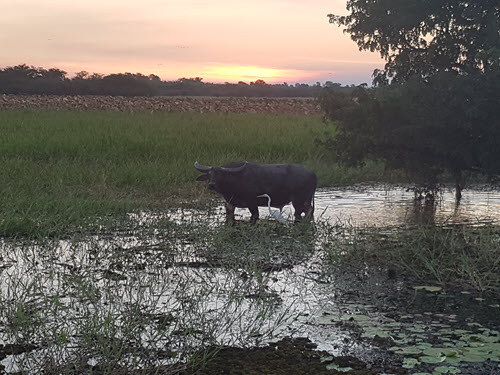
(215, 175)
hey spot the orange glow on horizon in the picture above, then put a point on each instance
(210, 74)
(217, 40)
(248, 73)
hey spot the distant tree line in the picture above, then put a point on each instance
(30, 80)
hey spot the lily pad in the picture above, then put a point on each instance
(447, 370)
(334, 366)
(326, 359)
(433, 352)
(410, 363)
(471, 357)
(372, 332)
(453, 360)
(424, 345)
(408, 350)
(432, 360)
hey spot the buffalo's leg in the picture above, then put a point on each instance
(309, 211)
(302, 207)
(255, 214)
(298, 207)
(229, 213)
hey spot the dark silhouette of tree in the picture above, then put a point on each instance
(259, 82)
(81, 75)
(449, 124)
(435, 106)
(127, 84)
(423, 37)
(24, 79)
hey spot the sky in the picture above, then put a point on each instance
(218, 40)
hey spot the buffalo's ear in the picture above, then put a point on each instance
(203, 177)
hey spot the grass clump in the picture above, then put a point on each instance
(457, 256)
(151, 301)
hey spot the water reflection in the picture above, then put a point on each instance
(390, 205)
(188, 271)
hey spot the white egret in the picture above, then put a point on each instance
(274, 213)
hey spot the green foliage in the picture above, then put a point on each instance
(425, 37)
(62, 171)
(459, 256)
(447, 123)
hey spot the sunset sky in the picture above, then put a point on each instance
(219, 40)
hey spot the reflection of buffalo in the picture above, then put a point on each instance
(240, 183)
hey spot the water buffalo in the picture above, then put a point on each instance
(240, 183)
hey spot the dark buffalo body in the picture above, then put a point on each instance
(241, 182)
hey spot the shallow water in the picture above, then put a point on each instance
(389, 205)
(145, 268)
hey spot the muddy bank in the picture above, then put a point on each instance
(295, 106)
(288, 356)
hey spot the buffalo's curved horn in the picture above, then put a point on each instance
(236, 169)
(202, 168)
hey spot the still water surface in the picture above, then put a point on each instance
(390, 205)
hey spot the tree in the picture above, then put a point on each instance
(423, 37)
(448, 124)
(259, 82)
(434, 107)
(81, 75)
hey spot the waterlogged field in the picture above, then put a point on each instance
(113, 260)
(63, 170)
(183, 286)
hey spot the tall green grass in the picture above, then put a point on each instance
(63, 169)
(458, 256)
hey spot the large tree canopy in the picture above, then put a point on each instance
(422, 37)
(448, 124)
(436, 108)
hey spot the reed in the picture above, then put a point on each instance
(463, 257)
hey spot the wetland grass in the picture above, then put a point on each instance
(158, 300)
(459, 257)
(66, 170)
